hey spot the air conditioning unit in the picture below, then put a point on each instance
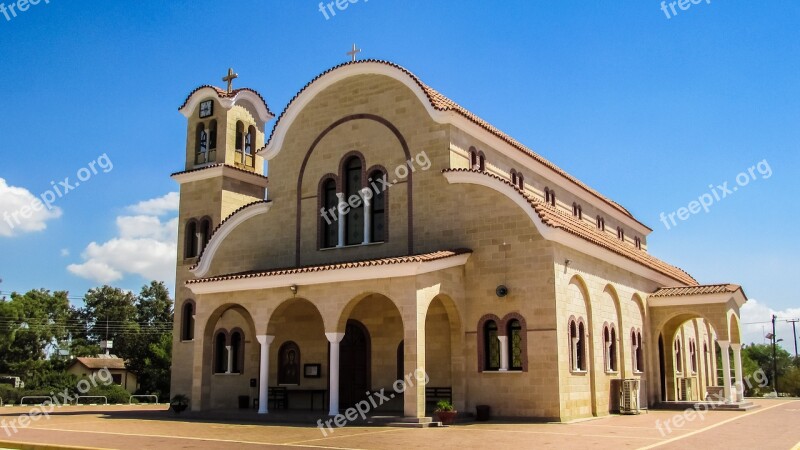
(629, 397)
(687, 390)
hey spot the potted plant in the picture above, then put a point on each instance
(179, 403)
(445, 412)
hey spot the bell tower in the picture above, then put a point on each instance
(222, 173)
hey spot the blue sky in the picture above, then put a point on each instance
(648, 110)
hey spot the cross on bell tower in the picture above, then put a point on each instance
(229, 79)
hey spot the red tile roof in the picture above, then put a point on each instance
(211, 166)
(222, 93)
(556, 218)
(442, 103)
(682, 291)
(427, 257)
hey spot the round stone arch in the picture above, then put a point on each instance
(620, 325)
(583, 288)
(734, 330)
(338, 324)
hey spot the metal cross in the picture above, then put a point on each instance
(355, 51)
(231, 76)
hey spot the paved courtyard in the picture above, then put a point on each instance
(774, 425)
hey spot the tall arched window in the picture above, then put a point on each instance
(378, 209)
(237, 352)
(201, 146)
(514, 177)
(473, 159)
(610, 347)
(678, 357)
(693, 355)
(637, 352)
(220, 353)
(329, 221)
(577, 211)
(187, 321)
(289, 364)
(601, 223)
(239, 144)
(491, 346)
(354, 219)
(190, 240)
(521, 181)
(515, 345)
(550, 196)
(249, 150)
(481, 161)
(638, 242)
(620, 234)
(212, 142)
(577, 346)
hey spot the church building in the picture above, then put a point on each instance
(399, 235)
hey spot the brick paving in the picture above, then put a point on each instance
(772, 426)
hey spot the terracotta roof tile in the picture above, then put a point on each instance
(682, 291)
(100, 363)
(222, 93)
(427, 257)
(556, 218)
(442, 103)
(211, 166)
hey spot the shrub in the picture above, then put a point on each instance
(114, 392)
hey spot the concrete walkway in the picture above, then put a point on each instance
(774, 425)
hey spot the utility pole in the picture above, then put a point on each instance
(794, 329)
(774, 358)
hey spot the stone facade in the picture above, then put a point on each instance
(429, 313)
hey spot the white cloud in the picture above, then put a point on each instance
(14, 222)
(157, 206)
(757, 322)
(145, 245)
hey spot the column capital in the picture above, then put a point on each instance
(736, 347)
(334, 338)
(264, 339)
(724, 344)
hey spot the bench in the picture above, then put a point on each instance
(433, 395)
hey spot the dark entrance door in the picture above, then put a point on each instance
(354, 365)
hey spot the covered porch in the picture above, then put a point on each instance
(369, 335)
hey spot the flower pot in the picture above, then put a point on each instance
(179, 408)
(446, 417)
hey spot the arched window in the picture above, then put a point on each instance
(249, 143)
(473, 159)
(620, 234)
(237, 352)
(515, 345)
(577, 211)
(693, 355)
(190, 244)
(521, 181)
(491, 346)
(220, 353)
(201, 146)
(378, 209)
(577, 346)
(610, 347)
(678, 357)
(329, 219)
(637, 352)
(205, 233)
(289, 364)
(638, 242)
(481, 161)
(187, 321)
(239, 144)
(354, 219)
(212, 142)
(514, 177)
(601, 223)
(550, 196)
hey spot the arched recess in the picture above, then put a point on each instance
(669, 330)
(226, 317)
(577, 282)
(444, 348)
(297, 322)
(621, 325)
(409, 180)
(734, 332)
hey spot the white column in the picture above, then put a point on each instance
(263, 380)
(726, 369)
(737, 361)
(333, 395)
(503, 353)
(230, 359)
(574, 350)
(340, 197)
(198, 242)
(366, 194)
